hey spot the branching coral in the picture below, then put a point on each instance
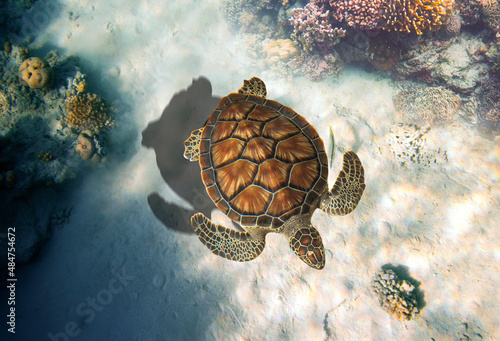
(415, 15)
(397, 297)
(313, 28)
(363, 14)
(87, 112)
(393, 15)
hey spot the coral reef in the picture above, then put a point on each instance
(362, 14)
(315, 67)
(36, 73)
(397, 297)
(263, 16)
(32, 121)
(415, 15)
(383, 55)
(408, 144)
(313, 28)
(454, 65)
(279, 50)
(452, 29)
(489, 107)
(490, 10)
(470, 11)
(393, 15)
(429, 104)
(87, 112)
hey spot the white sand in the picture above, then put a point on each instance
(441, 222)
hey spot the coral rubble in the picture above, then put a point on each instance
(408, 144)
(397, 297)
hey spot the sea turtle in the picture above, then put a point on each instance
(265, 167)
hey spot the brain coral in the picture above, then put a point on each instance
(36, 73)
(87, 112)
(415, 15)
(397, 297)
(491, 13)
(430, 104)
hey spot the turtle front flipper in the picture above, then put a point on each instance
(348, 189)
(227, 243)
(192, 145)
(306, 243)
(255, 86)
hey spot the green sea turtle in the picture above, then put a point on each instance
(265, 167)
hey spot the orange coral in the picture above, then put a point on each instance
(87, 111)
(415, 15)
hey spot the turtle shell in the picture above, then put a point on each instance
(261, 162)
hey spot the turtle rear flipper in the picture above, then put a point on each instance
(192, 145)
(348, 189)
(255, 86)
(227, 243)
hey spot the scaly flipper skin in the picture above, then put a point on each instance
(192, 145)
(227, 243)
(348, 189)
(254, 86)
(306, 243)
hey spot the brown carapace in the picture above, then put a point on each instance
(265, 167)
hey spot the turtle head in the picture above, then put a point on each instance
(308, 246)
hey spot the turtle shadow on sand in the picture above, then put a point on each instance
(187, 111)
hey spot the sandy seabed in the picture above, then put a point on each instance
(116, 273)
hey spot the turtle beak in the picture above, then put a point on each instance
(306, 243)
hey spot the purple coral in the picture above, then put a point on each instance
(363, 14)
(312, 28)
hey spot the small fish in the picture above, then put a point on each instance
(331, 146)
